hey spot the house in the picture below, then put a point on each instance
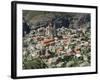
(47, 42)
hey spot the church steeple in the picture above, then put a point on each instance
(54, 30)
(49, 30)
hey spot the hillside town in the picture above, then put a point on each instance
(56, 47)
